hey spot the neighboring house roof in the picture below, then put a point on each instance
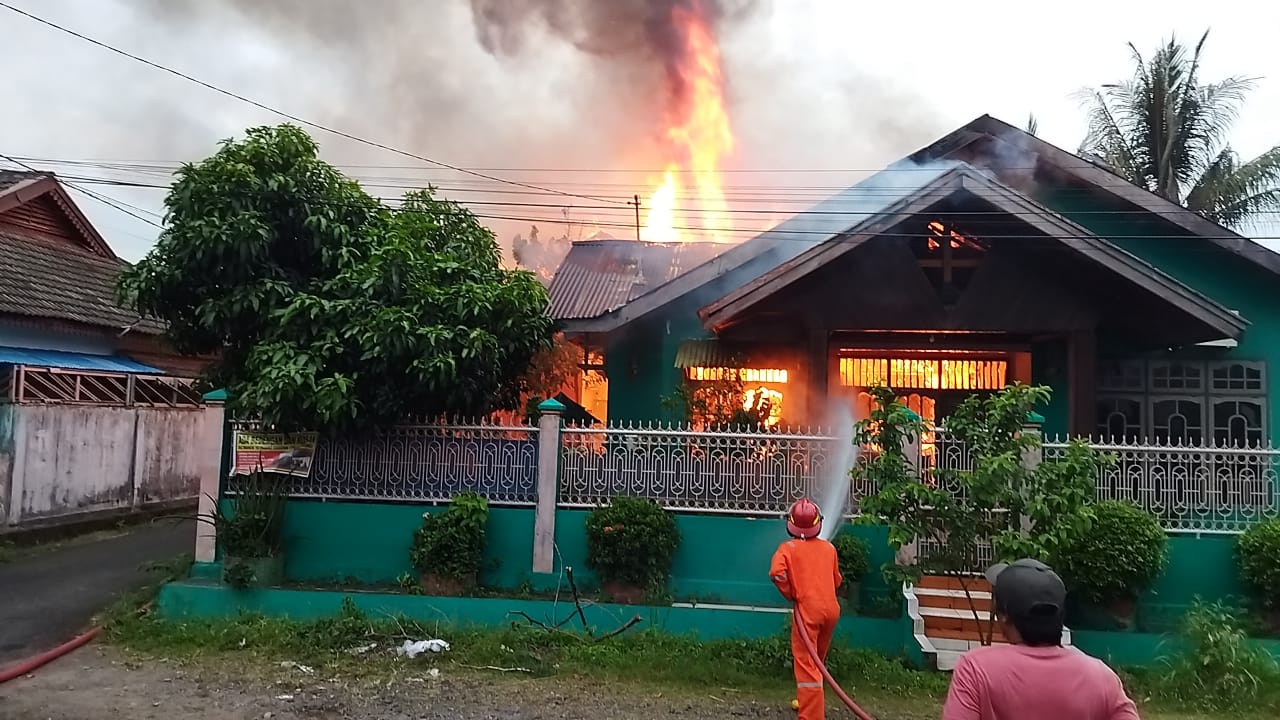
(598, 276)
(970, 180)
(56, 266)
(835, 216)
(74, 361)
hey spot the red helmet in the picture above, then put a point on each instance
(804, 519)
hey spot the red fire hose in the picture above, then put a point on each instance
(26, 666)
(813, 652)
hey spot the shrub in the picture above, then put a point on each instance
(854, 556)
(252, 527)
(451, 544)
(1217, 666)
(1258, 554)
(1118, 557)
(632, 541)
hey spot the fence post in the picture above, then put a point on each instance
(1032, 457)
(544, 522)
(907, 554)
(211, 479)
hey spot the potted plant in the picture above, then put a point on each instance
(448, 547)
(249, 532)
(1117, 558)
(1258, 555)
(631, 544)
(855, 562)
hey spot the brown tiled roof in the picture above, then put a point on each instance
(598, 276)
(44, 281)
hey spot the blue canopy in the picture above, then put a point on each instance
(73, 361)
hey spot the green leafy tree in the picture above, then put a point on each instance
(327, 309)
(1166, 131)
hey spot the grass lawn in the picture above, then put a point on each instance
(637, 661)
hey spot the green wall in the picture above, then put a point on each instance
(721, 558)
(1049, 367)
(195, 599)
(1234, 282)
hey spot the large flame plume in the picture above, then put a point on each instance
(698, 136)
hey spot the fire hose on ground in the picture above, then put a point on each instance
(813, 652)
(25, 667)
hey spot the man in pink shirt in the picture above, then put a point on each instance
(1034, 678)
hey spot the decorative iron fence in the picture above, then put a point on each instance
(1191, 489)
(744, 473)
(430, 463)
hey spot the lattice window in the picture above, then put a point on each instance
(1177, 376)
(1182, 401)
(1177, 420)
(1120, 417)
(1239, 421)
(1237, 377)
(1122, 375)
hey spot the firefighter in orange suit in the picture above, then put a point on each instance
(807, 573)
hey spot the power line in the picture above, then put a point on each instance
(281, 113)
(89, 193)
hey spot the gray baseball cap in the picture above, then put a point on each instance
(1027, 589)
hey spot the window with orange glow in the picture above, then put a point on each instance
(748, 375)
(764, 402)
(923, 374)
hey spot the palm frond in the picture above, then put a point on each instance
(1232, 193)
(1106, 137)
(1033, 127)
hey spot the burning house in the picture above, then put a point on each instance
(985, 258)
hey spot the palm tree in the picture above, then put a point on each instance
(1165, 131)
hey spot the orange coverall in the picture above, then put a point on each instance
(807, 573)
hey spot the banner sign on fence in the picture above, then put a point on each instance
(275, 452)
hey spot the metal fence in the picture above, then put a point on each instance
(746, 473)
(427, 463)
(1191, 489)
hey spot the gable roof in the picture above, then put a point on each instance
(966, 178)
(1022, 143)
(60, 281)
(771, 247)
(18, 188)
(757, 256)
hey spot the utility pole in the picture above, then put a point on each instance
(636, 202)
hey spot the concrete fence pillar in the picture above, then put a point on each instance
(548, 485)
(212, 473)
(911, 446)
(1031, 457)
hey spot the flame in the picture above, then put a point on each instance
(698, 136)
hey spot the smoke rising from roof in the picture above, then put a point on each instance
(493, 83)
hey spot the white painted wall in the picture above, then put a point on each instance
(68, 460)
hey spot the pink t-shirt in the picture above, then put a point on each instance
(1018, 682)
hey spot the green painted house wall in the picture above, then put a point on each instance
(721, 559)
(1232, 281)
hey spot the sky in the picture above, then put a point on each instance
(825, 90)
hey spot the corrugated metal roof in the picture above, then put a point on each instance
(598, 276)
(73, 361)
(707, 353)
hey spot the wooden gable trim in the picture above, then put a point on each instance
(716, 314)
(1108, 255)
(1105, 180)
(28, 190)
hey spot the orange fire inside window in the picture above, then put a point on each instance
(923, 374)
(746, 375)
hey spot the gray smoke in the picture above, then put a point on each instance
(481, 83)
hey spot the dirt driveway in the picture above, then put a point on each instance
(103, 683)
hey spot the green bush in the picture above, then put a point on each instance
(451, 544)
(1118, 557)
(1216, 666)
(854, 556)
(1258, 554)
(632, 541)
(252, 528)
